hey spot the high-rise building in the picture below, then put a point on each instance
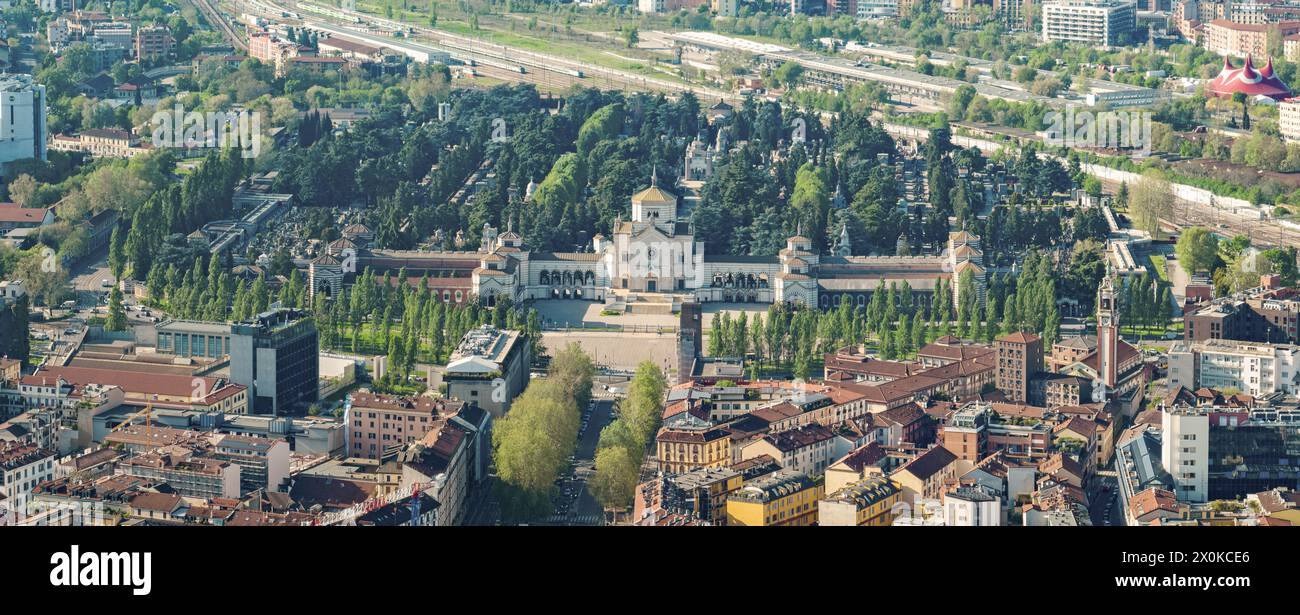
(277, 356)
(1225, 453)
(1095, 22)
(1020, 356)
(22, 119)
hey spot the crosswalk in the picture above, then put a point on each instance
(575, 520)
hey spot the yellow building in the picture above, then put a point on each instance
(707, 490)
(681, 448)
(866, 502)
(782, 498)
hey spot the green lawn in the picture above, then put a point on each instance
(1159, 265)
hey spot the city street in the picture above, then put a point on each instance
(1103, 505)
(574, 504)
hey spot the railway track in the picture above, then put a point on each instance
(213, 17)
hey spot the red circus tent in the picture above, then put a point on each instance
(1248, 80)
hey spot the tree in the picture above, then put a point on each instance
(117, 253)
(1152, 198)
(643, 407)
(531, 446)
(631, 37)
(614, 483)
(22, 190)
(116, 312)
(1197, 250)
(788, 74)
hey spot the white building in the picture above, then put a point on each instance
(1095, 22)
(22, 467)
(22, 119)
(1288, 119)
(12, 290)
(971, 507)
(118, 34)
(1185, 451)
(1254, 368)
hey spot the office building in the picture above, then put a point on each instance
(1103, 23)
(193, 338)
(1216, 453)
(277, 356)
(489, 368)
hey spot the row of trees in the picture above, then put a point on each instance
(378, 309)
(532, 444)
(623, 443)
(203, 196)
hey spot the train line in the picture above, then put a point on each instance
(214, 17)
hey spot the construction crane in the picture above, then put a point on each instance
(148, 420)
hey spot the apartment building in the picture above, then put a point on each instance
(1288, 115)
(923, 478)
(688, 443)
(1104, 23)
(22, 118)
(806, 450)
(22, 467)
(784, 498)
(1241, 39)
(380, 423)
(868, 502)
(1263, 314)
(263, 462)
(1020, 356)
(154, 44)
(190, 473)
(1253, 368)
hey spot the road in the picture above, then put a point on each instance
(574, 504)
(1103, 505)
